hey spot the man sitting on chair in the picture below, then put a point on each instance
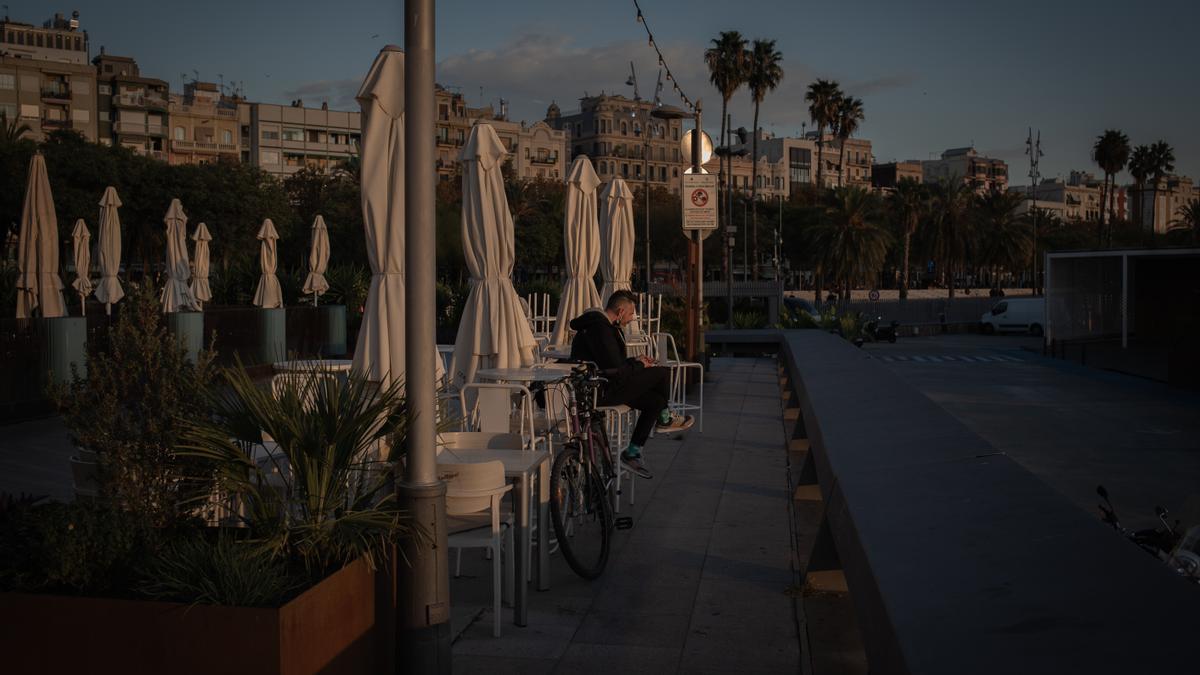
(636, 382)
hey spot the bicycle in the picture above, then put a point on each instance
(580, 479)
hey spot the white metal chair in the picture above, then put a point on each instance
(668, 356)
(474, 519)
(489, 407)
(618, 426)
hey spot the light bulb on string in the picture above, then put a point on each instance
(639, 16)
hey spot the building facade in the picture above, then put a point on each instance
(282, 139)
(1078, 198)
(624, 139)
(983, 174)
(535, 151)
(204, 126)
(132, 109)
(45, 80)
(887, 175)
(1158, 209)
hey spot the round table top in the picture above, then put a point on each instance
(557, 351)
(298, 365)
(523, 374)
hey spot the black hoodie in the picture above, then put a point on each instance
(599, 340)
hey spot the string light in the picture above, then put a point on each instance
(662, 62)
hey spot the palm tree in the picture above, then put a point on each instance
(1189, 219)
(763, 75)
(950, 228)
(726, 61)
(1002, 238)
(848, 241)
(1111, 153)
(822, 97)
(1141, 165)
(1162, 158)
(909, 204)
(12, 131)
(849, 117)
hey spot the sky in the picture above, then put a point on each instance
(933, 74)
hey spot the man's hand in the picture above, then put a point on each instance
(647, 361)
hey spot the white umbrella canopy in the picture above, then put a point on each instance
(38, 284)
(380, 351)
(616, 237)
(494, 332)
(108, 250)
(175, 293)
(581, 244)
(268, 295)
(81, 239)
(200, 288)
(318, 260)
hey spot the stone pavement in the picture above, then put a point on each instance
(701, 584)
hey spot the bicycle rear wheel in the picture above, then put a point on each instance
(581, 513)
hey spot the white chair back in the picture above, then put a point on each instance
(489, 407)
(483, 440)
(472, 487)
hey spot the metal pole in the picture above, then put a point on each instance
(422, 592)
(727, 183)
(697, 338)
(1124, 302)
(646, 187)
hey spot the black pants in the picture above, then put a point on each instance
(647, 390)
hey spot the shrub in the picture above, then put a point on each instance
(131, 410)
(221, 572)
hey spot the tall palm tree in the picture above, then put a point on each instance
(12, 131)
(848, 241)
(909, 205)
(1111, 153)
(822, 97)
(849, 118)
(1162, 158)
(726, 61)
(763, 75)
(1002, 238)
(950, 228)
(1141, 165)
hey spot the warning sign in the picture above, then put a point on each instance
(700, 201)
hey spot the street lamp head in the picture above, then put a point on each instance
(670, 114)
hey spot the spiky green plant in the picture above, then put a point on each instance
(321, 493)
(225, 572)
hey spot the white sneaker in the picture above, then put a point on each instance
(677, 424)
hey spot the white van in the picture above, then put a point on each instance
(1016, 314)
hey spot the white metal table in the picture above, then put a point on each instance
(307, 365)
(557, 352)
(520, 465)
(543, 374)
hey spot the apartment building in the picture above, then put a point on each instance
(1157, 210)
(983, 174)
(887, 175)
(623, 138)
(45, 79)
(535, 151)
(132, 109)
(282, 139)
(204, 125)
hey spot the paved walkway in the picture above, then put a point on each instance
(699, 585)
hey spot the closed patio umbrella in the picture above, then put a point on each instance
(200, 288)
(108, 250)
(81, 239)
(318, 260)
(38, 285)
(494, 332)
(268, 295)
(380, 351)
(616, 237)
(581, 245)
(175, 293)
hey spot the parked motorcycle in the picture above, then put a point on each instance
(1180, 552)
(878, 333)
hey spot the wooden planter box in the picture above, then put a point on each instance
(342, 625)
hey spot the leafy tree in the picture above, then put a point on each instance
(12, 131)
(726, 61)
(1141, 165)
(1162, 162)
(1189, 220)
(822, 97)
(763, 75)
(909, 206)
(948, 236)
(1004, 241)
(851, 245)
(849, 118)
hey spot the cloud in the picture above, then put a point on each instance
(339, 93)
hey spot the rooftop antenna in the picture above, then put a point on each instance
(221, 79)
(1033, 148)
(658, 90)
(195, 76)
(632, 82)
(183, 79)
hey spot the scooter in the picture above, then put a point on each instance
(1179, 552)
(878, 333)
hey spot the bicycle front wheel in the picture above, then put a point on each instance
(581, 513)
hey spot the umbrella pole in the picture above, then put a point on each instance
(108, 309)
(82, 306)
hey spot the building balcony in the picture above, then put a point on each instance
(139, 101)
(544, 160)
(51, 123)
(56, 93)
(139, 129)
(202, 146)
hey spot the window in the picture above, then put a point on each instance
(624, 129)
(268, 157)
(179, 133)
(315, 136)
(293, 159)
(625, 170)
(104, 89)
(8, 110)
(269, 135)
(675, 134)
(8, 81)
(292, 134)
(227, 137)
(675, 172)
(578, 129)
